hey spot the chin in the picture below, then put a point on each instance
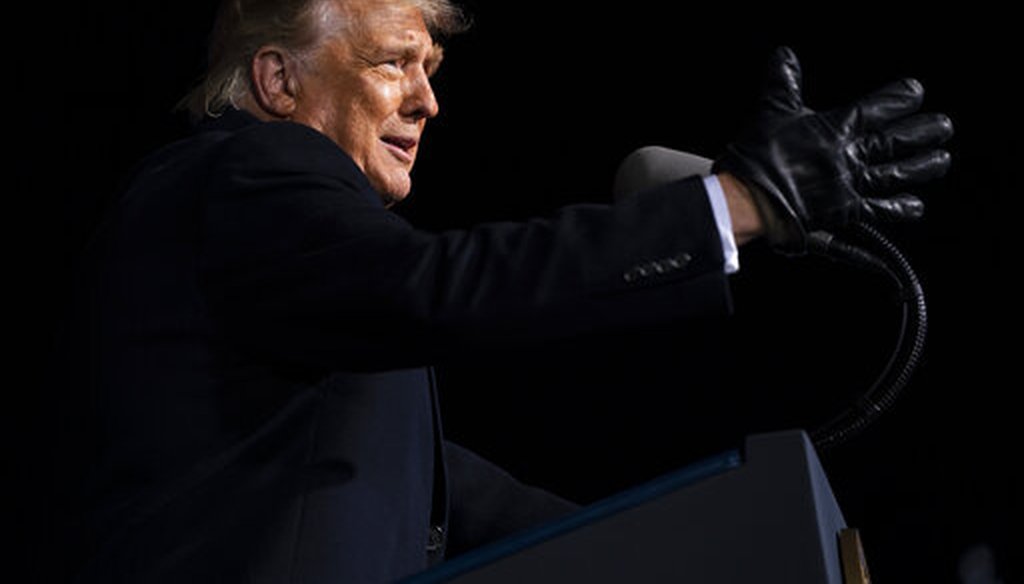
(391, 201)
(391, 196)
(392, 189)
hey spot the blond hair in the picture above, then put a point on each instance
(243, 26)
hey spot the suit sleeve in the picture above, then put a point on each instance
(302, 264)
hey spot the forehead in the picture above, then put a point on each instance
(373, 22)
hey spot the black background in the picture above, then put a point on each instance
(539, 103)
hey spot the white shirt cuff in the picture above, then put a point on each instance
(724, 223)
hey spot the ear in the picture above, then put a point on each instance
(275, 86)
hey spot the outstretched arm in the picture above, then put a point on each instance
(302, 263)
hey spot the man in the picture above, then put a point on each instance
(251, 336)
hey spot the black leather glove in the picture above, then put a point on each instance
(812, 170)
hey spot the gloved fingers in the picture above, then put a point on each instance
(781, 91)
(906, 137)
(880, 108)
(883, 178)
(902, 207)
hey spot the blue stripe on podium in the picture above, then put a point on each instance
(633, 497)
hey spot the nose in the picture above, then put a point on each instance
(420, 101)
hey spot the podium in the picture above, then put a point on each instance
(765, 513)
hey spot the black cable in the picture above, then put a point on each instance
(884, 258)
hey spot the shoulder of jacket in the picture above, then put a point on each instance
(291, 147)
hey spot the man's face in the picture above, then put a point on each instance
(368, 89)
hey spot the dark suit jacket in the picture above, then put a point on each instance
(246, 359)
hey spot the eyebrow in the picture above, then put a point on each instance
(435, 54)
(434, 58)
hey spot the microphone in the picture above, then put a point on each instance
(653, 166)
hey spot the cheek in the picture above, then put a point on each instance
(381, 99)
(390, 96)
(357, 132)
(368, 114)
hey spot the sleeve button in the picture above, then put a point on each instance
(680, 260)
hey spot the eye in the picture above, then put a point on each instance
(395, 65)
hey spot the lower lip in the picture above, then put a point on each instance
(398, 152)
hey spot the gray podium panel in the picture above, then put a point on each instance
(764, 515)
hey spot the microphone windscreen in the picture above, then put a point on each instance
(653, 166)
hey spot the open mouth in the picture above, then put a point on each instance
(399, 146)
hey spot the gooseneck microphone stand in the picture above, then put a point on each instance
(652, 166)
(874, 252)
